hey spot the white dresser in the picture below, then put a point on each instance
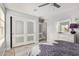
(66, 37)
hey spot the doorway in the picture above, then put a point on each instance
(42, 30)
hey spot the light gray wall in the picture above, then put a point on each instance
(52, 22)
(17, 14)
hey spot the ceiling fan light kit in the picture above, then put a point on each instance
(53, 4)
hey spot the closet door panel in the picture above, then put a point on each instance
(19, 28)
(30, 31)
(17, 32)
(30, 28)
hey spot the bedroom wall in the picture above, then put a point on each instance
(16, 14)
(52, 34)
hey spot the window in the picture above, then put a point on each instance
(2, 29)
(2, 24)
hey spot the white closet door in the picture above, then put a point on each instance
(23, 31)
(30, 31)
(17, 32)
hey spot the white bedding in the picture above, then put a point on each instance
(36, 50)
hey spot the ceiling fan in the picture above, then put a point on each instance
(53, 4)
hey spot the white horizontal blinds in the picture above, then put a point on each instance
(1, 29)
(30, 31)
(2, 16)
(2, 22)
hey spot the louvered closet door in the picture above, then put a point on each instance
(23, 31)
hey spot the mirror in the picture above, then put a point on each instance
(63, 26)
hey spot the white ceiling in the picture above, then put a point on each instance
(46, 11)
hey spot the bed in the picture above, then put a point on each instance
(61, 48)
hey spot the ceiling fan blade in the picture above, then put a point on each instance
(43, 5)
(56, 5)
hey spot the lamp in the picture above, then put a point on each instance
(73, 26)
